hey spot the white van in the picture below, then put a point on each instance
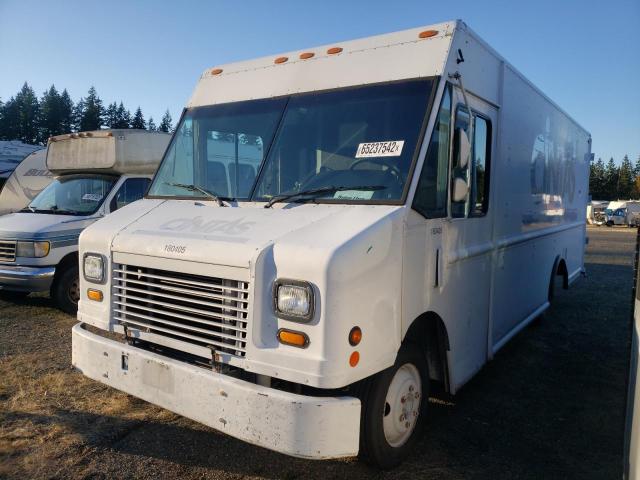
(413, 200)
(28, 179)
(96, 173)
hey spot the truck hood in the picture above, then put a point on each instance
(233, 236)
(41, 226)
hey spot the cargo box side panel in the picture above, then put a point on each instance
(541, 186)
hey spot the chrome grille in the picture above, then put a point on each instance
(7, 250)
(206, 311)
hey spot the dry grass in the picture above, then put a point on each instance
(550, 405)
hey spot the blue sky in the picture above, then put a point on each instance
(583, 54)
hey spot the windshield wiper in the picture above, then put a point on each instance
(314, 193)
(195, 188)
(54, 210)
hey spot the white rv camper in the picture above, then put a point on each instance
(95, 173)
(410, 199)
(28, 179)
(12, 152)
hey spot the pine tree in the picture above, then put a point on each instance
(28, 114)
(66, 112)
(92, 113)
(78, 113)
(138, 120)
(111, 115)
(596, 179)
(50, 115)
(625, 179)
(165, 124)
(151, 126)
(123, 117)
(611, 181)
(598, 172)
(9, 120)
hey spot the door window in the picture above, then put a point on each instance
(431, 195)
(131, 190)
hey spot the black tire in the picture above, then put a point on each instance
(374, 446)
(65, 290)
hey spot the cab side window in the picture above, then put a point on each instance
(131, 190)
(431, 195)
(476, 173)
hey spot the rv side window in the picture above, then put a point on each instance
(131, 190)
(431, 195)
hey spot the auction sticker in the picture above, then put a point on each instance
(94, 197)
(392, 148)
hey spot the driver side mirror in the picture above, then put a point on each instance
(460, 190)
(464, 148)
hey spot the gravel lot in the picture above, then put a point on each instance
(550, 405)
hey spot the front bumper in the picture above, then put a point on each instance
(26, 279)
(298, 425)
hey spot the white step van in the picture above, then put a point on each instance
(330, 232)
(95, 173)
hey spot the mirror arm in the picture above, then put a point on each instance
(457, 76)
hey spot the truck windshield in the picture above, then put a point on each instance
(73, 195)
(363, 137)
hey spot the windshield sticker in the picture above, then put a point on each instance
(380, 149)
(354, 195)
(94, 197)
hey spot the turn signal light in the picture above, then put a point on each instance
(295, 339)
(355, 335)
(354, 359)
(95, 295)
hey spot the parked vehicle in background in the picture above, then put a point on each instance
(596, 213)
(95, 173)
(12, 152)
(623, 213)
(409, 203)
(28, 179)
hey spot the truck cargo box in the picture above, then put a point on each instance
(108, 151)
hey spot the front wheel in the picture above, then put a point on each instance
(66, 290)
(394, 410)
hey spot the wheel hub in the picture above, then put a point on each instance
(402, 405)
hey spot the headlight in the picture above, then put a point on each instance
(93, 267)
(32, 249)
(293, 300)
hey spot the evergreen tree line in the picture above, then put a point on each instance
(29, 119)
(610, 182)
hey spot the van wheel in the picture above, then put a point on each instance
(66, 290)
(394, 410)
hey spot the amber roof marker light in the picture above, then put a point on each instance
(216, 71)
(280, 60)
(428, 34)
(334, 50)
(307, 55)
